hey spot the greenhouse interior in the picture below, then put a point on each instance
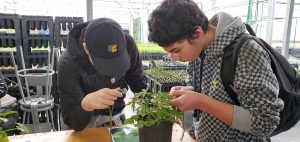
(149, 70)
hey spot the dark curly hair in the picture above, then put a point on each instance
(174, 20)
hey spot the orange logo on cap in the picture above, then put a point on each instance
(112, 48)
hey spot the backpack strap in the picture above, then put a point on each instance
(288, 79)
(249, 29)
(229, 63)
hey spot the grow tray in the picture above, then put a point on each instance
(125, 133)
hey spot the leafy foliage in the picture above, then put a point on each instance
(152, 108)
(158, 73)
(167, 76)
(149, 48)
(169, 64)
(21, 127)
(3, 136)
(5, 114)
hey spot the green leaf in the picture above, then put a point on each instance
(3, 136)
(150, 49)
(23, 128)
(119, 134)
(152, 108)
(5, 114)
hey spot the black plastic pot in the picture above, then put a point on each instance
(156, 133)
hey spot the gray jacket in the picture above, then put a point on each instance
(255, 83)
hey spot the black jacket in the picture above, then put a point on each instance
(77, 78)
(3, 87)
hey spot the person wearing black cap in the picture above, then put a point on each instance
(100, 60)
(3, 87)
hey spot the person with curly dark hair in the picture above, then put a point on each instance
(183, 30)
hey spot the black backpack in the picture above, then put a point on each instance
(287, 76)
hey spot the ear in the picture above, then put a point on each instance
(199, 32)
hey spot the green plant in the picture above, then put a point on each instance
(161, 63)
(111, 109)
(14, 49)
(3, 133)
(149, 48)
(167, 76)
(158, 73)
(152, 108)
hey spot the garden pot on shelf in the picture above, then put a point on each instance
(156, 133)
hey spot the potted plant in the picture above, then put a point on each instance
(154, 116)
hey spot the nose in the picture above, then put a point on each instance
(173, 57)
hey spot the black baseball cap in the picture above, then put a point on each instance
(106, 43)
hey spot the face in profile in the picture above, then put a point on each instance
(184, 50)
(187, 49)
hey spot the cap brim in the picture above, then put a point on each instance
(114, 66)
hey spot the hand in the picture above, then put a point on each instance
(100, 99)
(179, 122)
(181, 88)
(185, 99)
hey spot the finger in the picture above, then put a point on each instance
(178, 122)
(175, 88)
(172, 90)
(175, 102)
(191, 88)
(114, 92)
(102, 106)
(108, 97)
(177, 93)
(118, 89)
(173, 97)
(107, 102)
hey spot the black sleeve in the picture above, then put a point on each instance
(134, 77)
(71, 95)
(3, 87)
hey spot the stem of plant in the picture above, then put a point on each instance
(110, 109)
(154, 117)
(11, 129)
(181, 139)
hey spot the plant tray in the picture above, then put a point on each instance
(125, 133)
